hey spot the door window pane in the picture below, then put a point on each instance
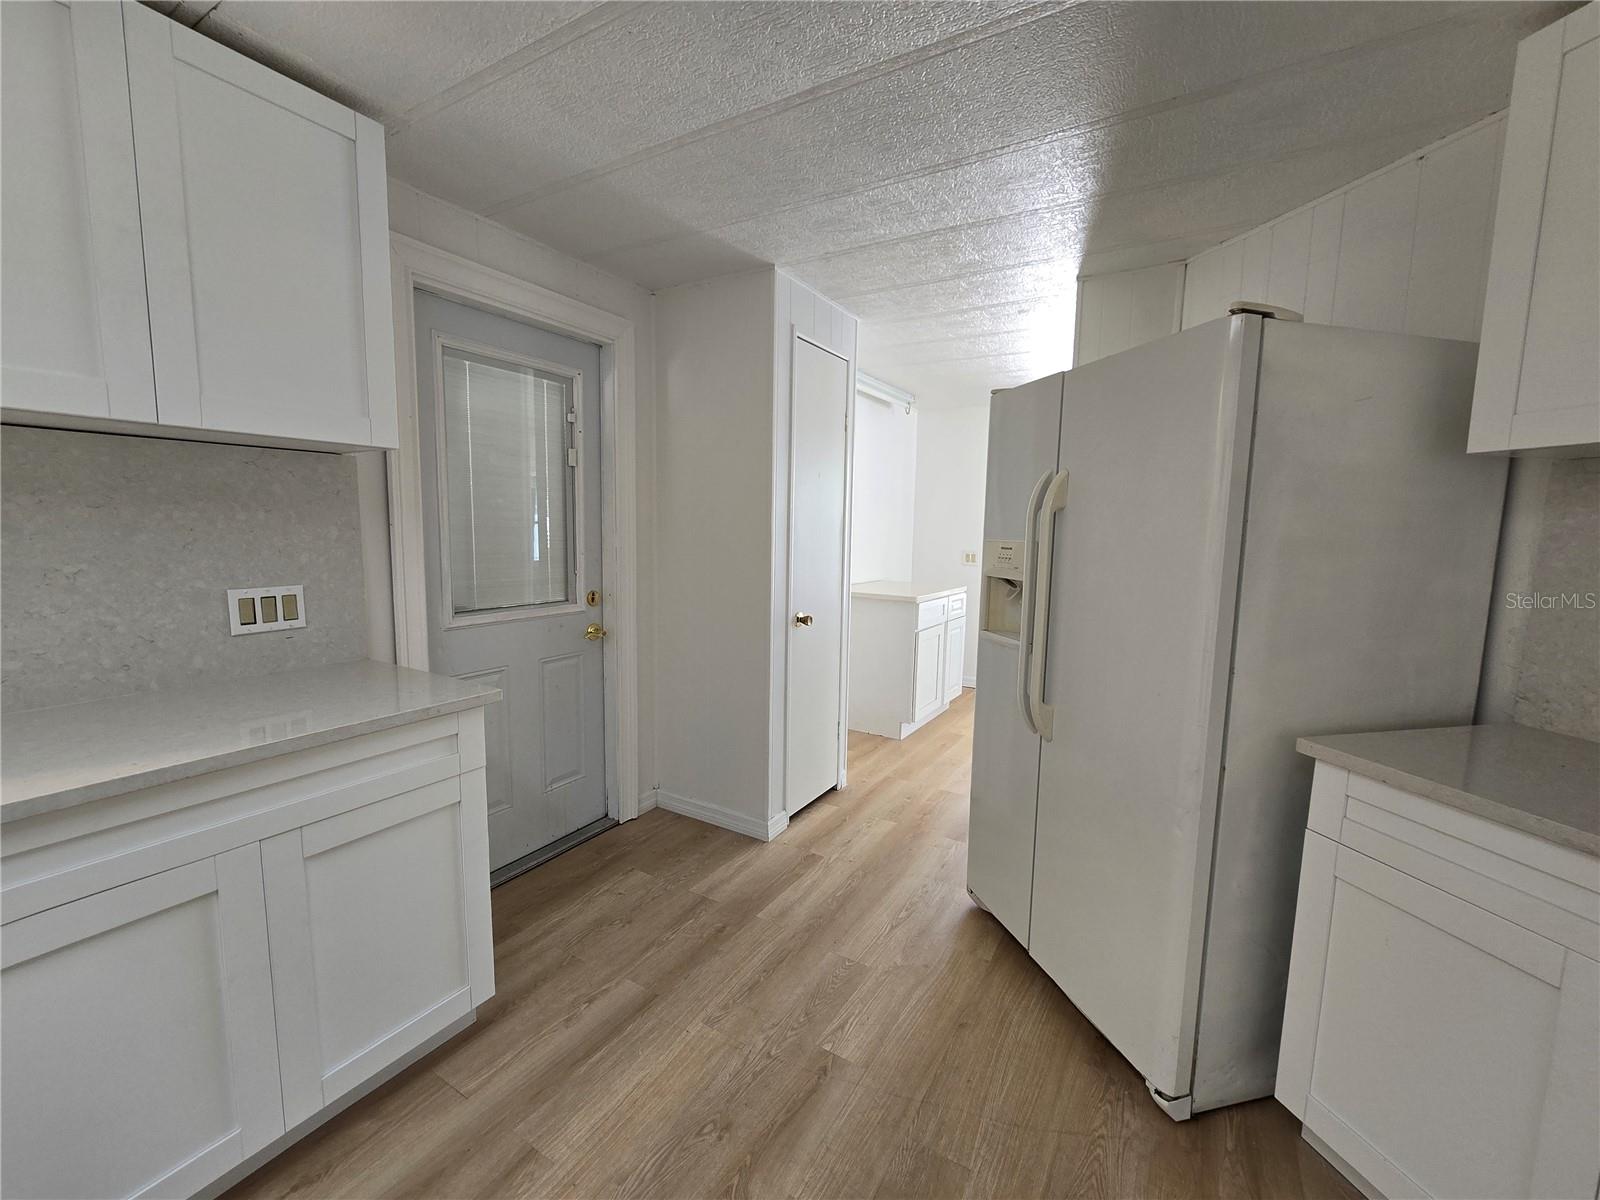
(508, 488)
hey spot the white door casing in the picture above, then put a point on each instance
(418, 265)
(819, 467)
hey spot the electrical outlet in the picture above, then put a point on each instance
(266, 609)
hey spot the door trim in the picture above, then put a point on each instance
(844, 592)
(416, 264)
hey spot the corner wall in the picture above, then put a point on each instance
(714, 521)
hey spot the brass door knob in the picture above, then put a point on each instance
(594, 633)
(803, 618)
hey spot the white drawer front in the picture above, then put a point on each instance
(958, 604)
(931, 612)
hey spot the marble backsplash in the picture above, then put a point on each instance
(116, 554)
(1558, 675)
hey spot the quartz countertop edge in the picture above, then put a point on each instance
(891, 589)
(1544, 784)
(56, 758)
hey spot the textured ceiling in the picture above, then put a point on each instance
(945, 170)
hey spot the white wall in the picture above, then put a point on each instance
(714, 374)
(883, 504)
(952, 461)
(428, 219)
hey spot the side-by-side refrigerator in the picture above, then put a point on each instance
(1196, 551)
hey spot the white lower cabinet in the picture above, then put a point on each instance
(369, 930)
(927, 691)
(194, 970)
(907, 646)
(138, 1036)
(1436, 1046)
(955, 652)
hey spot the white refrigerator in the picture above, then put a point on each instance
(1195, 551)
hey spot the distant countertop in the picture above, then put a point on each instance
(894, 589)
(1542, 783)
(53, 758)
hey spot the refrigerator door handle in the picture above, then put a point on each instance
(1025, 625)
(1055, 500)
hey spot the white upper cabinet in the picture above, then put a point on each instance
(74, 338)
(190, 239)
(266, 245)
(1538, 383)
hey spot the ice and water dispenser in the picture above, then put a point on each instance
(1000, 602)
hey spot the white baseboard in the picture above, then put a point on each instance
(647, 801)
(726, 818)
(969, 681)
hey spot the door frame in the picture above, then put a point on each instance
(416, 264)
(844, 592)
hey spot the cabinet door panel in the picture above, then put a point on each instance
(159, 1082)
(1538, 384)
(258, 203)
(75, 338)
(955, 650)
(927, 682)
(1437, 1038)
(369, 936)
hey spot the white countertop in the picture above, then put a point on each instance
(894, 589)
(53, 758)
(1545, 784)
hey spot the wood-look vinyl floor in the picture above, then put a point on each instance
(684, 1012)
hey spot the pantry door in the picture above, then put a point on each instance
(508, 423)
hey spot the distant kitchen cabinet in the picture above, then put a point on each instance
(1538, 386)
(224, 229)
(1442, 1027)
(907, 644)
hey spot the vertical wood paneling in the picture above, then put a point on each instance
(1322, 265)
(1402, 250)
(1380, 218)
(1254, 265)
(1290, 255)
(1128, 308)
(1200, 287)
(1450, 254)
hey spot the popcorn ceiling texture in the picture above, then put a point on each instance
(118, 552)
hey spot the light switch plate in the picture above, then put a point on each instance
(248, 606)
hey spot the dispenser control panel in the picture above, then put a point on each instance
(1003, 558)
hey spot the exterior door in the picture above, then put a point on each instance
(508, 419)
(814, 724)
